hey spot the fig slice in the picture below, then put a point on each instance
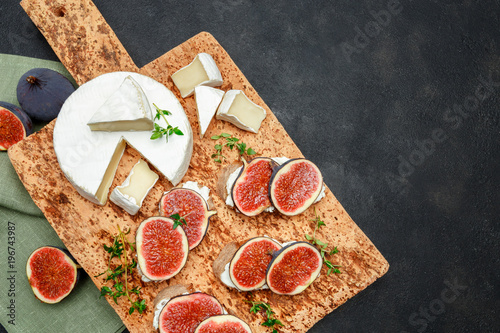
(52, 273)
(295, 185)
(223, 324)
(162, 251)
(294, 268)
(15, 125)
(250, 189)
(191, 205)
(247, 268)
(183, 313)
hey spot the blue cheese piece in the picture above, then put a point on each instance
(240, 111)
(202, 71)
(130, 195)
(127, 109)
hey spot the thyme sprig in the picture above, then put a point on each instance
(231, 143)
(159, 131)
(178, 220)
(271, 321)
(323, 246)
(118, 249)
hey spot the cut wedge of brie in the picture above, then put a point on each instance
(202, 71)
(240, 111)
(89, 158)
(135, 188)
(207, 101)
(127, 109)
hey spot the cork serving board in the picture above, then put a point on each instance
(87, 46)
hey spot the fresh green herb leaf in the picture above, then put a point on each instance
(322, 245)
(120, 249)
(159, 131)
(230, 142)
(178, 220)
(266, 307)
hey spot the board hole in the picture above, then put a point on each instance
(60, 11)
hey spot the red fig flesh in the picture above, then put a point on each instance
(15, 125)
(294, 186)
(294, 268)
(193, 207)
(182, 314)
(250, 190)
(52, 274)
(223, 324)
(247, 268)
(162, 251)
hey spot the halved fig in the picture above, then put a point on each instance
(15, 125)
(223, 324)
(190, 205)
(162, 251)
(248, 266)
(52, 273)
(250, 190)
(294, 268)
(295, 185)
(182, 314)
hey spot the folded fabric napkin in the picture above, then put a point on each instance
(23, 228)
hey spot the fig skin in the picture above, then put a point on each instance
(299, 288)
(309, 202)
(72, 262)
(22, 116)
(41, 92)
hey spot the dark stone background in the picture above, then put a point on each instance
(363, 101)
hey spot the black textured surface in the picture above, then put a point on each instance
(401, 117)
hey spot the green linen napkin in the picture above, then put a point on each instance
(23, 228)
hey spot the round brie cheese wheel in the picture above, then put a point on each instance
(89, 158)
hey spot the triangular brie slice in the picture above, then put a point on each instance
(127, 109)
(207, 101)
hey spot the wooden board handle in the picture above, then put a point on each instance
(81, 52)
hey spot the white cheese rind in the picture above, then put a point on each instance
(229, 186)
(201, 190)
(84, 155)
(211, 76)
(140, 181)
(227, 112)
(207, 101)
(127, 109)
